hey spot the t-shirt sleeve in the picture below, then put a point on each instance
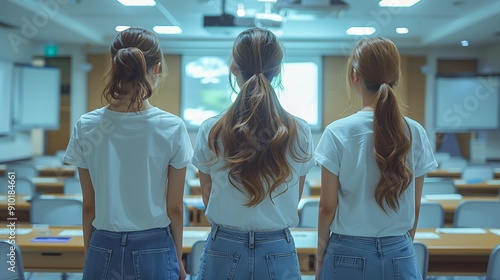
(74, 154)
(327, 153)
(202, 154)
(183, 151)
(424, 156)
(309, 148)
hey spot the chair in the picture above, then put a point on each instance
(72, 186)
(422, 258)
(25, 186)
(194, 257)
(56, 211)
(483, 214)
(309, 215)
(431, 215)
(493, 270)
(27, 170)
(5, 261)
(48, 161)
(478, 173)
(453, 163)
(441, 157)
(186, 221)
(442, 186)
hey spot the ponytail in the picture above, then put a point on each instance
(134, 53)
(391, 145)
(128, 74)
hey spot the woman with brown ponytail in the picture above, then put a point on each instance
(252, 161)
(373, 168)
(132, 160)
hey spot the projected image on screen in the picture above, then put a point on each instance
(206, 89)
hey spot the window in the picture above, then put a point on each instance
(206, 89)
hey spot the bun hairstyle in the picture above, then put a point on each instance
(255, 134)
(134, 53)
(377, 63)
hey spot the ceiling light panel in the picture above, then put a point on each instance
(397, 3)
(137, 2)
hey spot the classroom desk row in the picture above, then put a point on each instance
(47, 171)
(196, 209)
(455, 173)
(458, 252)
(486, 188)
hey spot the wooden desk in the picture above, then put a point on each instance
(49, 185)
(49, 171)
(459, 254)
(454, 173)
(487, 188)
(23, 205)
(450, 254)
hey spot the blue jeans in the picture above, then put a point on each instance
(232, 254)
(357, 258)
(148, 254)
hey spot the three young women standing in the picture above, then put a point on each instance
(373, 167)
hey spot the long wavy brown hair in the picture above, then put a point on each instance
(255, 134)
(134, 52)
(377, 62)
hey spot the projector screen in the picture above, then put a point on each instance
(206, 90)
(467, 103)
(6, 69)
(36, 97)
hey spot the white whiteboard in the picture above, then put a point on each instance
(6, 69)
(36, 97)
(467, 103)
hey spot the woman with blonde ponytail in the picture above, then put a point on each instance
(373, 167)
(132, 159)
(252, 161)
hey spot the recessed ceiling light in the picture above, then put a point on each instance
(272, 1)
(367, 30)
(120, 28)
(137, 2)
(464, 43)
(402, 30)
(397, 3)
(167, 29)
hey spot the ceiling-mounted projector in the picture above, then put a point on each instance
(270, 20)
(228, 20)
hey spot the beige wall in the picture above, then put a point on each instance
(167, 97)
(335, 98)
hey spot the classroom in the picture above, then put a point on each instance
(54, 61)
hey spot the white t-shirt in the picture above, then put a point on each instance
(346, 150)
(127, 155)
(226, 206)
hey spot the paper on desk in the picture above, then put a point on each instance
(426, 235)
(493, 182)
(195, 234)
(44, 180)
(71, 232)
(19, 231)
(495, 231)
(461, 230)
(449, 196)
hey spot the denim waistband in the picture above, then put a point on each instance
(135, 234)
(386, 240)
(251, 236)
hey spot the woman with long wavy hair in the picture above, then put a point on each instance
(252, 161)
(373, 167)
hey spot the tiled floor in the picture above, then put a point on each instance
(78, 276)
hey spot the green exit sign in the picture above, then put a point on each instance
(50, 51)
